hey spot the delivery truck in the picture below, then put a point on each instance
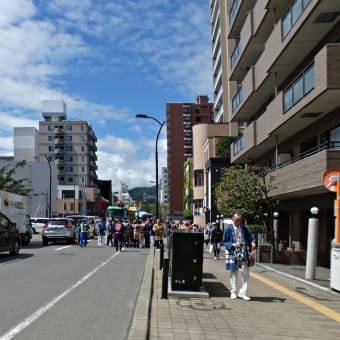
(15, 207)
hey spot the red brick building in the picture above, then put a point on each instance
(180, 117)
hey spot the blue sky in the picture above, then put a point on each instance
(108, 60)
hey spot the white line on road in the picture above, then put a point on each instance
(62, 248)
(38, 313)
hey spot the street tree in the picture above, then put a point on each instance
(246, 190)
(9, 183)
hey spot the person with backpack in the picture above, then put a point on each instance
(118, 235)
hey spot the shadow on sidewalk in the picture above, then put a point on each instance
(267, 299)
(215, 289)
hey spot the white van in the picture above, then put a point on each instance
(38, 223)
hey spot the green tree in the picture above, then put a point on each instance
(223, 146)
(246, 190)
(8, 183)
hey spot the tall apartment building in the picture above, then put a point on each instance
(180, 118)
(72, 146)
(283, 86)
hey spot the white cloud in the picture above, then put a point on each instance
(46, 45)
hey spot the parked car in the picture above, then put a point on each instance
(59, 229)
(38, 224)
(9, 236)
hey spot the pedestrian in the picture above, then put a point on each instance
(216, 239)
(101, 231)
(109, 232)
(152, 235)
(141, 235)
(134, 234)
(83, 233)
(159, 233)
(207, 233)
(118, 235)
(147, 232)
(239, 242)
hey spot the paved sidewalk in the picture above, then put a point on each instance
(284, 306)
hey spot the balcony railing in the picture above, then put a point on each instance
(324, 146)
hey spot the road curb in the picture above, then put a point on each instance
(140, 325)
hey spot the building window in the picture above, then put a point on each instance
(83, 148)
(50, 138)
(68, 138)
(51, 148)
(298, 89)
(238, 145)
(50, 128)
(68, 169)
(68, 127)
(233, 11)
(186, 109)
(68, 148)
(199, 178)
(237, 99)
(68, 158)
(198, 207)
(235, 54)
(292, 16)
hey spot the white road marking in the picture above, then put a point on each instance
(38, 313)
(62, 248)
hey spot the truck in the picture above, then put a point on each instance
(15, 207)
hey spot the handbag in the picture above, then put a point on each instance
(252, 258)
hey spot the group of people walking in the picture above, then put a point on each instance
(111, 234)
(138, 234)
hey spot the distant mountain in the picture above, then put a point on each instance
(137, 194)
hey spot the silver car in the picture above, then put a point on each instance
(59, 229)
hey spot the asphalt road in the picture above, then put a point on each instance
(66, 292)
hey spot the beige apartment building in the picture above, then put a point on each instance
(282, 65)
(206, 171)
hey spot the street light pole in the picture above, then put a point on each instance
(156, 155)
(50, 191)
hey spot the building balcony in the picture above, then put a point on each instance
(278, 123)
(289, 50)
(59, 161)
(254, 33)
(237, 14)
(59, 130)
(59, 141)
(304, 176)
